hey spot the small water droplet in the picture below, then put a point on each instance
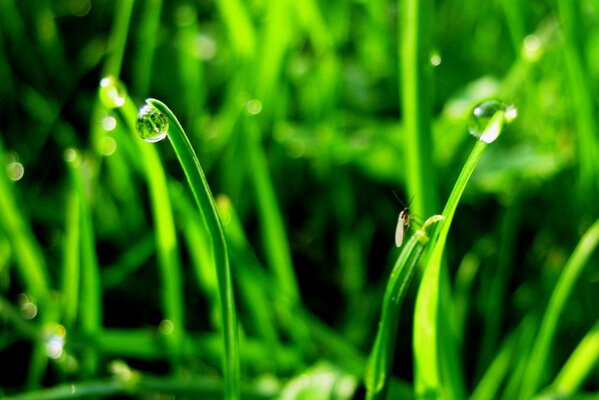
(108, 123)
(488, 118)
(71, 155)
(152, 125)
(436, 59)
(107, 146)
(112, 92)
(253, 106)
(166, 327)
(27, 306)
(532, 48)
(15, 171)
(55, 341)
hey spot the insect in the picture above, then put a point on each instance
(403, 222)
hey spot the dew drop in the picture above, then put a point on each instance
(108, 123)
(15, 171)
(55, 341)
(488, 118)
(436, 59)
(253, 106)
(27, 306)
(166, 327)
(152, 125)
(112, 92)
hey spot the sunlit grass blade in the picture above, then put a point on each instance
(381, 358)
(584, 101)
(240, 29)
(437, 369)
(30, 263)
(203, 196)
(550, 323)
(580, 364)
(118, 38)
(146, 35)
(489, 385)
(415, 19)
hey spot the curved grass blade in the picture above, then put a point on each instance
(437, 373)
(203, 196)
(381, 357)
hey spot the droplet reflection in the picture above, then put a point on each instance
(152, 125)
(486, 123)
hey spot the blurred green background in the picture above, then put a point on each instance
(294, 110)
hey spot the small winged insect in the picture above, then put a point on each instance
(403, 222)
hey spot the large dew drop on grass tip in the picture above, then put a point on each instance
(488, 119)
(152, 125)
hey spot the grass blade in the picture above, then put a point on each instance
(203, 196)
(381, 357)
(434, 377)
(550, 323)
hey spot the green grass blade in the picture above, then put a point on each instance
(71, 272)
(565, 285)
(239, 26)
(578, 78)
(436, 366)
(146, 36)
(169, 264)
(118, 38)
(414, 52)
(203, 196)
(273, 233)
(582, 361)
(379, 366)
(90, 315)
(30, 262)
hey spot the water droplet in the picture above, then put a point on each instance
(71, 155)
(532, 48)
(121, 370)
(15, 171)
(436, 59)
(166, 327)
(253, 106)
(109, 123)
(112, 92)
(488, 118)
(55, 341)
(152, 125)
(27, 306)
(107, 146)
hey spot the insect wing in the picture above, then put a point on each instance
(403, 222)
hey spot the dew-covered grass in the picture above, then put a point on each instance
(253, 256)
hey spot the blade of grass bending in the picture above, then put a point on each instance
(203, 196)
(434, 376)
(381, 357)
(169, 264)
(563, 288)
